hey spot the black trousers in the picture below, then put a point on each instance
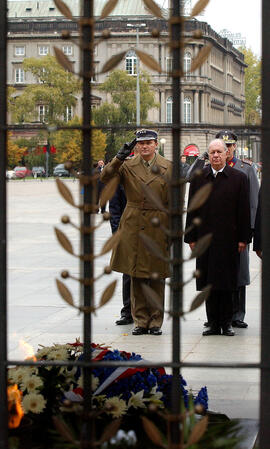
(126, 310)
(219, 308)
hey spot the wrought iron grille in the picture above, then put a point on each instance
(176, 364)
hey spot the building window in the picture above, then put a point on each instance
(19, 76)
(131, 63)
(168, 66)
(169, 104)
(67, 50)
(187, 110)
(19, 51)
(187, 64)
(43, 50)
(68, 114)
(42, 113)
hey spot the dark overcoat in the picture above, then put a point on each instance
(131, 256)
(226, 214)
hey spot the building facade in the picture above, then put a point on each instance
(211, 95)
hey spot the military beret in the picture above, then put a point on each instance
(227, 136)
(146, 134)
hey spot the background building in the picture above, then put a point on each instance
(213, 94)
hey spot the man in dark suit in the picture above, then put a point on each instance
(226, 215)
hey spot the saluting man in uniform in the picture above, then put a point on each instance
(239, 296)
(130, 256)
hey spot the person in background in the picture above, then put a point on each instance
(100, 185)
(184, 166)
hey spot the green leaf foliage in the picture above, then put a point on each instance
(122, 110)
(252, 87)
(54, 88)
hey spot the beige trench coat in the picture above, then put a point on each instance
(130, 256)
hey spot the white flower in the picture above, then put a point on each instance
(136, 400)
(115, 406)
(31, 384)
(156, 396)
(21, 374)
(58, 354)
(34, 403)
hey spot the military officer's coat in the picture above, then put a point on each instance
(130, 256)
(249, 170)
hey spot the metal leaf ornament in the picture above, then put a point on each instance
(65, 293)
(63, 429)
(113, 62)
(63, 60)
(199, 7)
(107, 294)
(200, 298)
(64, 241)
(201, 245)
(110, 431)
(154, 8)
(152, 431)
(111, 243)
(108, 191)
(152, 296)
(149, 61)
(63, 8)
(198, 431)
(152, 247)
(201, 57)
(65, 192)
(200, 197)
(108, 8)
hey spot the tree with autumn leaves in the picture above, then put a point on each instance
(68, 144)
(252, 87)
(15, 153)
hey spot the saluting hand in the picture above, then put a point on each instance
(126, 149)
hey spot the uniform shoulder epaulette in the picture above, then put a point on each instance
(247, 162)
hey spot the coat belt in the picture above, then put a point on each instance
(142, 205)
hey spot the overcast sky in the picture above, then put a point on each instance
(237, 16)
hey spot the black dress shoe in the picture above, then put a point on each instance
(139, 331)
(212, 331)
(155, 331)
(240, 324)
(228, 330)
(124, 321)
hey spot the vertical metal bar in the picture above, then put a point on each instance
(138, 95)
(176, 218)
(265, 318)
(3, 231)
(87, 436)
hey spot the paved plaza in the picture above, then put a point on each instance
(38, 315)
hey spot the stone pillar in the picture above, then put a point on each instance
(196, 107)
(203, 106)
(182, 106)
(162, 106)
